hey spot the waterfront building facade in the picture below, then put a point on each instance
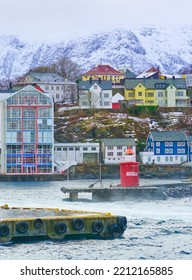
(165, 147)
(69, 154)
(113, 149)
(26, 132)
(189, 137)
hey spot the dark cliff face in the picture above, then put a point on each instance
(137, 49)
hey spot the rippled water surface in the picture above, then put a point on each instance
(156, 229)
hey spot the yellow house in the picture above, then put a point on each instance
(103, 72)
(137, 92)
(165, 93)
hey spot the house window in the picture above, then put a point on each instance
(168, 144)
(160, 94)
(84, 104)
(171, 159)
(93, 148)
(119, 147)
(110, 154)
(76, 148)
(130, 94)
(106, 103)
(57, 87)
(158, 151)
(85, 149)
(106, 95)
(158, 159)
(181, 151)
(149, 159)
(139, 93)
(119, 154)
(168, 151)
(83, 94)
(150, 94)
(181, 144)
(179, 93)
(110, 148)
(181, 159)
(70, 148)
(95, 87)
(166, 159)
(158, 144)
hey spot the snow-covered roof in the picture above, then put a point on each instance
(146, 75)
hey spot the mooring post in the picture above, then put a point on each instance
(73, 196)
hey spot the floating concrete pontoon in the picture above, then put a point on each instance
(116, 193)
(54, 223)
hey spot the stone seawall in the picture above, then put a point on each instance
(87, 171)
(145, 171)
(25, 178)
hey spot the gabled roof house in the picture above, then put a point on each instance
(165, 147)
(113, 149)
(103, 72)
(95, 94)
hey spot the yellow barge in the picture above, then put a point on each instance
(19, 223)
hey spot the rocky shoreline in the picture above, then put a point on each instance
(178, 191)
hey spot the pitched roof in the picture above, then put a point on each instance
(152, 72)
(38, 88)
(2, 91)
(85, 85)
(146, 74)
(4, 94)
(168, 136)
(119, 141)
(155, 83)
(117, 97)
(102, 70)
(189, 137)
(45, 77)
(129, 74)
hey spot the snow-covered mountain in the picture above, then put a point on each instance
(137, 48)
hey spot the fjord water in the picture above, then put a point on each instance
(157, 229)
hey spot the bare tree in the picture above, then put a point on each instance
(66, 68)
(63, 66)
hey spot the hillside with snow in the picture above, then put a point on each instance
(138, 48)
(93, 125)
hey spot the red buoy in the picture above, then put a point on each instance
(129, 170)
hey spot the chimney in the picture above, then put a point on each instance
(90, 80)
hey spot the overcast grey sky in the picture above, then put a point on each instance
(53, 20)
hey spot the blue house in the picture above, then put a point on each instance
(190, 147)
(165, 147)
